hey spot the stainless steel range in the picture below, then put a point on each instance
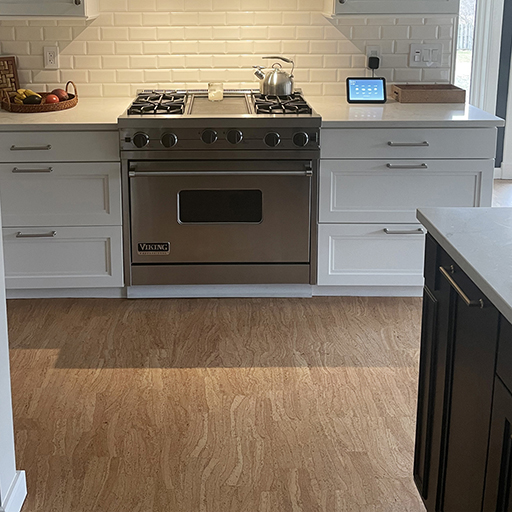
(219, 192)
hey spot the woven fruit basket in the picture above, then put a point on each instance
(10, 106)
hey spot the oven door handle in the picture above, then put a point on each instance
(155, 174)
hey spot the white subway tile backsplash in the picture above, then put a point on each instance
(141, 43)
(424, 32)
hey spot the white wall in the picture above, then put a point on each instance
(147, 43)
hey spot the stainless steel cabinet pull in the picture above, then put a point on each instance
(22, 171)
(155, 174)
(407, 166)
(31, 148)
(423, 144)
(78, 2)
(52, 234)
(418, 231)
(470, 303)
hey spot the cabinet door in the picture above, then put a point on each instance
(432, 378)
(472, 345)
(396, 6)
(370, 254)
(74, 194)
(54, 8)
(63, 257)
(456, 380)
(392, 190)
(498, 485)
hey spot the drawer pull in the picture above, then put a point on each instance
(470, 303)
(423, 144)
(52, 234)
(31, 148)
(16, 170)
(407, 166)
(418, 231)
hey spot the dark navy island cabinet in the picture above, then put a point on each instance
(463, 452)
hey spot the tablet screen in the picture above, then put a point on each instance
(366, 90)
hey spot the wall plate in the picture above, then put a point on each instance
(426, 55)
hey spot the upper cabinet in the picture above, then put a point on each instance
(392, 7)
(49, 8)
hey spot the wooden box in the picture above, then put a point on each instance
(429, 93)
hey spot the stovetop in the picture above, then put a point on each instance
(245, 120)
(157, 103)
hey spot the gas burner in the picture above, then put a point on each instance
(293, 104)
(158, 102)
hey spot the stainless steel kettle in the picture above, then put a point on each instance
(276, 82)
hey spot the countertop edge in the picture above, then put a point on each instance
(412, 124)
(499, 302)
(56, 127)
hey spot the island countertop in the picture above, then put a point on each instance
(480, 241)
(102, 114)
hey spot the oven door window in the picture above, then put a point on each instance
(220, 207)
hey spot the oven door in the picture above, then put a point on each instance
(220, 212)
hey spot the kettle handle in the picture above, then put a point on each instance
(284, 59)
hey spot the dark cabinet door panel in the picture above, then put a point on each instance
(426, 393)
(499, 471)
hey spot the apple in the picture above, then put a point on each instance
(52, 98)
(61, 94)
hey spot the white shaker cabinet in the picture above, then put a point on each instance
(371, 182)
(392, 7)
(49, 8)
(61, 205)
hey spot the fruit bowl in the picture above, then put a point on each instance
(10, 106)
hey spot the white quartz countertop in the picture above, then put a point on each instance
(337, 113)
(102, 114)
(89, 114)
(480, 241)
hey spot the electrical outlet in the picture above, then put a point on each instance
(373, 51)
(426, 55)
(51, 57)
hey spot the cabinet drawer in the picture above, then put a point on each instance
(62, 194)
(370, 254)
(99, 146)
(504, 366)
(409, 143)
(392, 190)
(72, 258)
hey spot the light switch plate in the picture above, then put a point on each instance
(426, 55)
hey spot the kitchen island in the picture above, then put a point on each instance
(378, 164)
(463, 439)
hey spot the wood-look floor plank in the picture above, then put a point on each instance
(221, 405)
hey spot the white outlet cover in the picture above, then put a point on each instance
(373, 51)
(426, 55)
(51, 57)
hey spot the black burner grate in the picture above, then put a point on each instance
(293, 104)
(158, 102)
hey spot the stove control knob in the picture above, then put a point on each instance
(209, 136)
(235, 136)
(140, 139)
(272, 139)
(301, 139)
(169, 140)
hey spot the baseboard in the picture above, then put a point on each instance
(367, 291)
(67, 293)
(506, 171)
(16, 495)
(219, 291)
(498, 173)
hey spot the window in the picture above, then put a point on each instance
(465, 44)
